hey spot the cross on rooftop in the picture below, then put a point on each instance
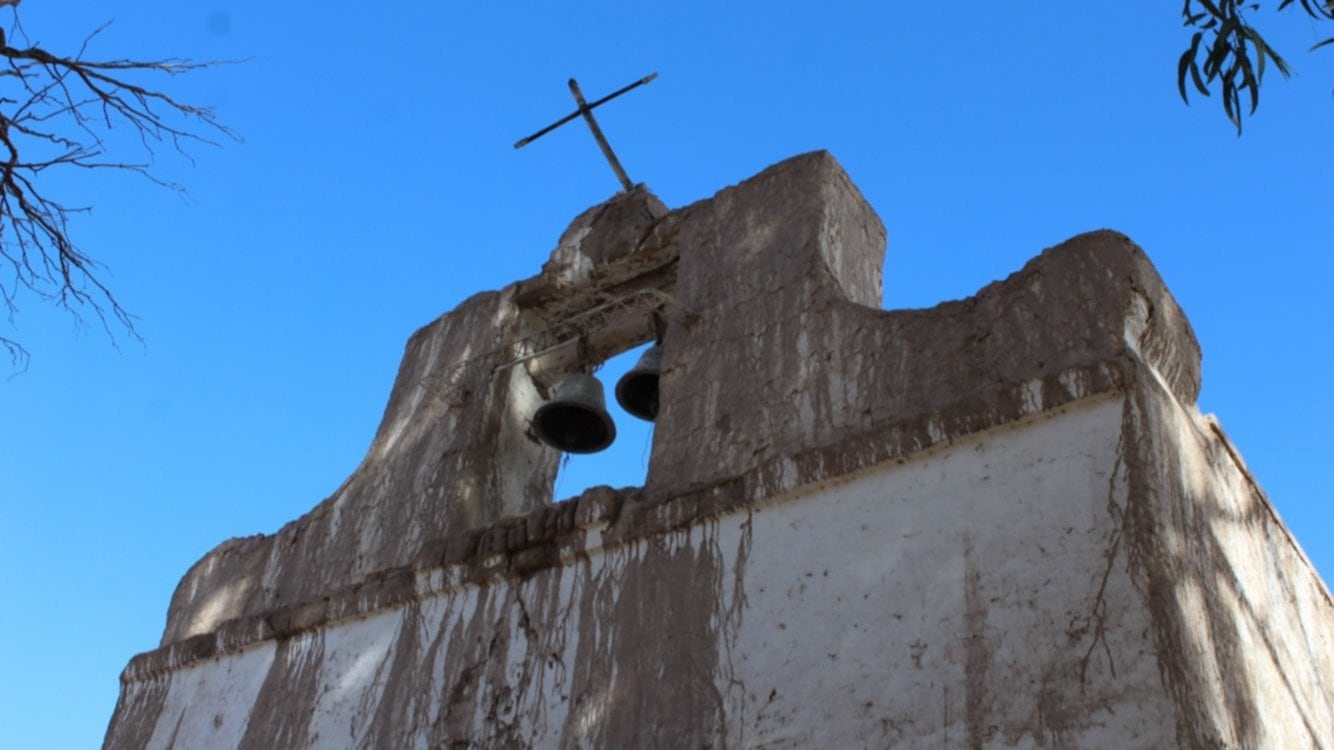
(586, 110)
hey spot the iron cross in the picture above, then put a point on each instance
(586, 110)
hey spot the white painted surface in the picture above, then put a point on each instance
(977, 595)
(1276, 610)
(862, 625)
(209, 704)
(353, 670)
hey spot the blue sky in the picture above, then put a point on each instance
(377, 187)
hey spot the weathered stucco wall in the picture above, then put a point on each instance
(1000, 522)
(1243, 625)
(981, 594)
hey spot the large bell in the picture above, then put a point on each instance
(637, 390)
(575, 420)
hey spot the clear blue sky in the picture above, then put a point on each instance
(377, 187)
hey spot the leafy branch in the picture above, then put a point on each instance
(56, 112)
(1230, 52)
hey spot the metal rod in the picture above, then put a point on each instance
(587, 112)
(525, 141)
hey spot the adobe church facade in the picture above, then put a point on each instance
(998, 522)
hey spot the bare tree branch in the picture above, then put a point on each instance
(55, 112)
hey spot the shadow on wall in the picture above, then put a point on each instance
(625, 462)
(1233, 631)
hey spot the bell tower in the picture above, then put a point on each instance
(998, 522)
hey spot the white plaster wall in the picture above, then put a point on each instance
(974, 596)
(1260, 597)
(209, 704)
(353, 664)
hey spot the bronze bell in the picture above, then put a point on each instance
(575, 420)
(637, 390)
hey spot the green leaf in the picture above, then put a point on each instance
(1249, 79)
(1261, 50)
(1195, 75)
(1280, 63)
(1218, 53)
(1231, 97)
(1195, 43)
(1187, 63)
(1182, 65)
(1321, 44)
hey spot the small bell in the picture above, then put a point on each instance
(637, 390)
(575, 420)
